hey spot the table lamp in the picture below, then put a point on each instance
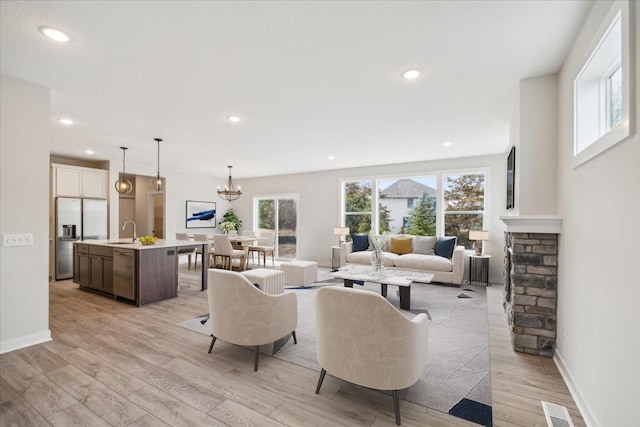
(341, 232)
(478, 236)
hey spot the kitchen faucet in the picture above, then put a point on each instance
(135, 233)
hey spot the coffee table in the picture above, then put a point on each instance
(395, 277)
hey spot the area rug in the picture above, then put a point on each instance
(457, 377)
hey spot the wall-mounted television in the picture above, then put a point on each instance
(511, 175)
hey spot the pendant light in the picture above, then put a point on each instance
(123, 185)
(156, 182)
(229, 193)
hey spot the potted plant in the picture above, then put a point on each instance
(230, 216)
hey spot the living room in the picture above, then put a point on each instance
(596, 286)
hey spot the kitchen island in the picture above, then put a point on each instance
(132, 271)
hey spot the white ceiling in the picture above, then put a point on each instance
(310, 79)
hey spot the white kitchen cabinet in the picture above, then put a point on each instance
(68, 182)
(94, 184)
(75, 181)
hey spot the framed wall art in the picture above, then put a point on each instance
(201, 214)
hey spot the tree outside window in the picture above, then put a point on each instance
(464, 206)
(422, 218)
(358, 206)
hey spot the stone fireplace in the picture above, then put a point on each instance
(531, 282)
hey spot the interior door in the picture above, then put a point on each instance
(279, 214)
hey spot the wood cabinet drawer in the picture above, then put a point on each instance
(101, 250)
(84, 249)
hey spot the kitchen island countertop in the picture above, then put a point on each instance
(128, 244)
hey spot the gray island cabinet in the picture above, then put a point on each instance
(132, 271)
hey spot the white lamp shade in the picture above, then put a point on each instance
(478, 235)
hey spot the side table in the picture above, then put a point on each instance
(479, 269)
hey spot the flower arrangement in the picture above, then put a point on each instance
(227, 226)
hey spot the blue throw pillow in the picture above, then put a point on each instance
(360, 242)
(445, 246)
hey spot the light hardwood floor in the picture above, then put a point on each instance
(114, 364)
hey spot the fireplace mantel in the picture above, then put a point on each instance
(533, 223)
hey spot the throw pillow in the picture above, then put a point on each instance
(425, 245)
(445, 246)
(360, 242)
(400, 246)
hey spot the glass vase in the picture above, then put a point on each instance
(377, 262)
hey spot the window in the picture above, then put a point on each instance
(463, 205)
(278, 214)
(357, 206)
(461, 195)
(614, 98)
(601, 88)
(400, 198)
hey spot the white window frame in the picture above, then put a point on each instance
(584, 149)
(255, 220)
(439, 176)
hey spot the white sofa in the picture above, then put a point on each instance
(445, 270)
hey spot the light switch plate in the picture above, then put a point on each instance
(17, 240)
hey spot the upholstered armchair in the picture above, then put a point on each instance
(241, 314)
(363, 339)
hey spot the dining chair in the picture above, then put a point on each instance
(264, 245)
(185, 236)
(199, 238)
(222, 248)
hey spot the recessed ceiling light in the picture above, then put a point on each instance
(331, 158)
(89, 151)
(234, 119)
(411, 74)
(54, 34)
(67, 122)
(447, 143)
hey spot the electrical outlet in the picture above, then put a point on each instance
(17, 240)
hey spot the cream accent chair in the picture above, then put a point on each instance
(363, 339)
(265, 245)
(185, 236)
(222, 248)
(241, 314)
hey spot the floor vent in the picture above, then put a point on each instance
(556, 415)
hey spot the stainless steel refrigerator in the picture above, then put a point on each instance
(77, 219)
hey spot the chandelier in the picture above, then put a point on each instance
(156, 182)
(123, 185)
(229, 193)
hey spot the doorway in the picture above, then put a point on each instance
(156, 214)
(278, 214)
(145, 206)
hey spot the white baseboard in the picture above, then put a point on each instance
(25, 341)
(573, 389)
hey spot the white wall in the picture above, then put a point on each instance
(536, 151)
(24, 208)
(598, 316)
(319, 210)
(182, 187)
